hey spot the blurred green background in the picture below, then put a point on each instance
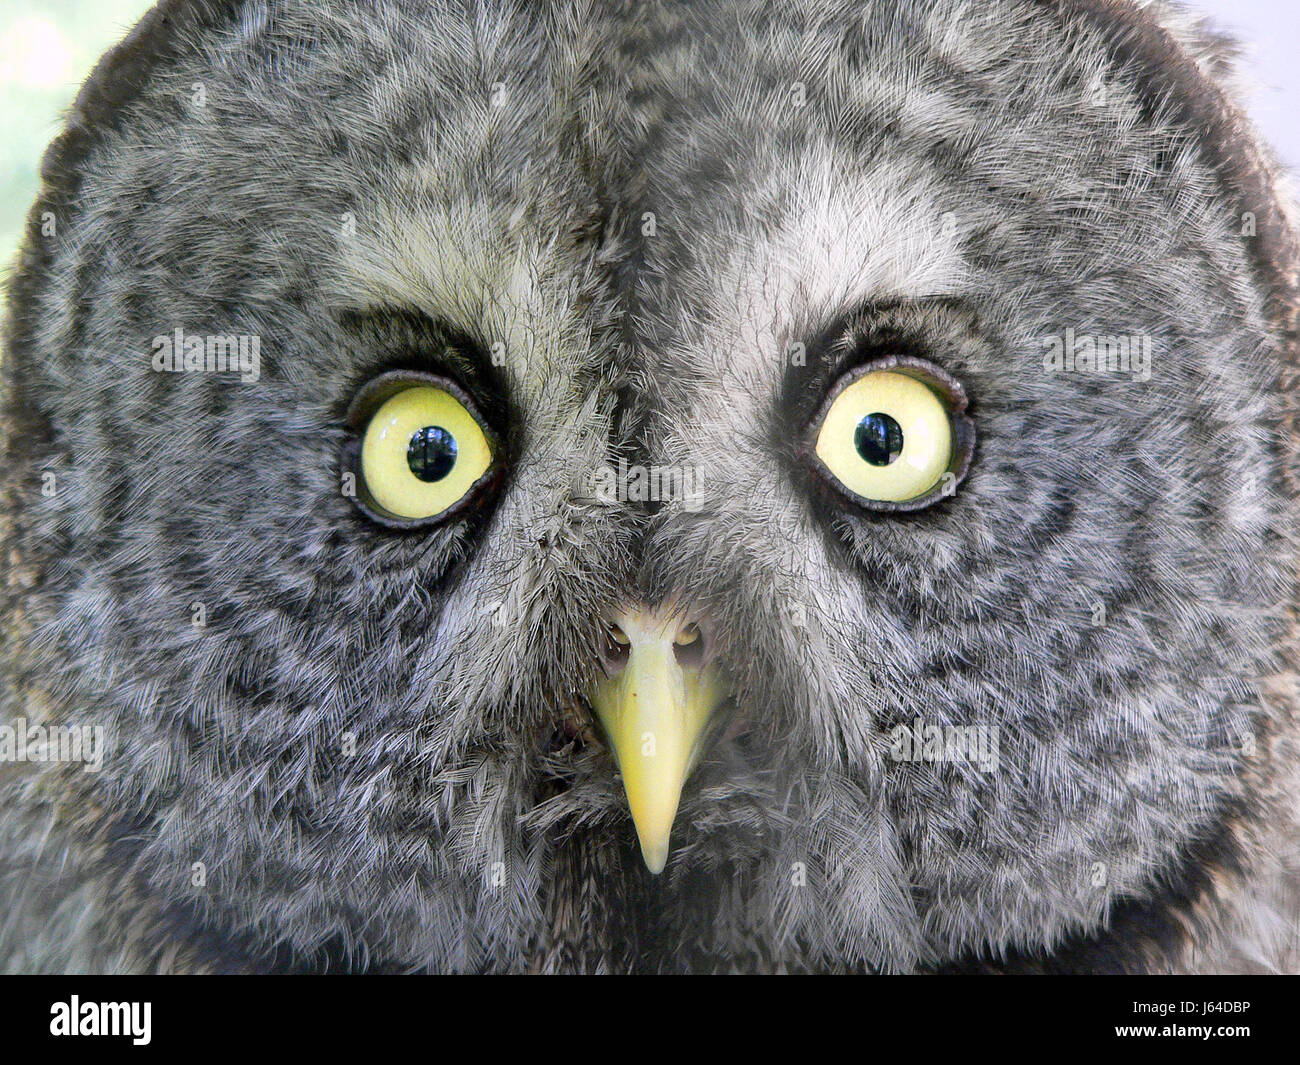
(47, 47)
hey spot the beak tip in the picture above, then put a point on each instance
(656, 857)
(654, 826)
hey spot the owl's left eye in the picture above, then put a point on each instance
(893, 435)
(424, 451)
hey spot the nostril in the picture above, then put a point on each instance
(689, 641)
(689, 647)
(615, 649)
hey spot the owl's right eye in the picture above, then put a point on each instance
(424, 452)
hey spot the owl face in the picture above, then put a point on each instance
(784, 484)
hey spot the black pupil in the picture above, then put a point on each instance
(878, 439)
(431, 453)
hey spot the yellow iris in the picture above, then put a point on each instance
(887, 437)
(422, 453)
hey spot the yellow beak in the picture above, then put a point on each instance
(654, 711)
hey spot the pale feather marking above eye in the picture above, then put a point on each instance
(462, 266)
(850, 238)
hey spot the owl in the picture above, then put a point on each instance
(594, 486)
